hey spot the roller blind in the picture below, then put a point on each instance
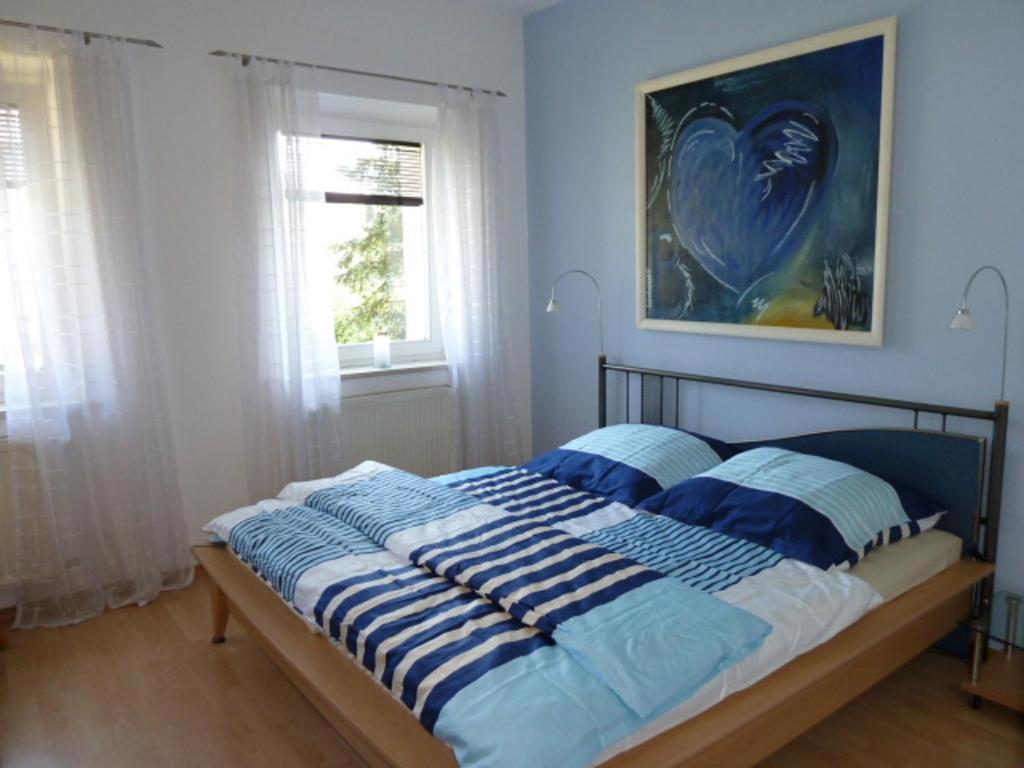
(374, 172)
(12, 150)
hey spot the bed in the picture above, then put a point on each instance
(926, 602)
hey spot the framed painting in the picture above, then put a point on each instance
(763, 191)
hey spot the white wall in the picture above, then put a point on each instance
(184, 121)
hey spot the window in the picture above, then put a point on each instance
(21, 214)
(376, 229)
(15, 199)
(12, 149)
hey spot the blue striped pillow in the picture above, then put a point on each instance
(816, 510)
(630, 462)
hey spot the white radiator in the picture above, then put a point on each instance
(411, 430)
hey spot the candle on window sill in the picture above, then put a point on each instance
(381, 351)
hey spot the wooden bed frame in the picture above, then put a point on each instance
(748, 725)
(739, 731)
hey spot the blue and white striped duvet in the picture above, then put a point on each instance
(695, 556)
(652, 640)
(509, 600)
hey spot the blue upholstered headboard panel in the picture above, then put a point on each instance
(949, 468)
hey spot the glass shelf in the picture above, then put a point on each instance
(998, 675)
(1003, 621)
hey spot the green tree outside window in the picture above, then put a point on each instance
(371, 267)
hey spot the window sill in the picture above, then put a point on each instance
(368, 371)
(367, 380)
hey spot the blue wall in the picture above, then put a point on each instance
(957, 203)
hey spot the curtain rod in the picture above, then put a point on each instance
(245, 57)
(48, 28)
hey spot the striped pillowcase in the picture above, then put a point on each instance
(816, 510)
(630, 462)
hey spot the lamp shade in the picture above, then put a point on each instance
(552, 306)
(962, 319)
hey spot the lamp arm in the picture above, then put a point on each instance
(1006, 314)
(600, 312)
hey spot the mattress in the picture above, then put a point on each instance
(898, 568)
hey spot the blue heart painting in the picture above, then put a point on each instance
(743, 201)
(762, 187)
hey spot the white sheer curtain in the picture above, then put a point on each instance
(467, 251)
(97, 516)
(290, 380)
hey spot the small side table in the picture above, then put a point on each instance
(1000, 678)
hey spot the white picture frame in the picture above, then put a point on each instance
(824, 239)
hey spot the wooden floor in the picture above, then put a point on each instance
(144, 687)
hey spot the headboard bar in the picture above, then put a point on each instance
(821, 394)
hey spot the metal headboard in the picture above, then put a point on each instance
(998, 417)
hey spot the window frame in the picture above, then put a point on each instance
(421, 351)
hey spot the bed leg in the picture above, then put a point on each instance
(219, 613)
